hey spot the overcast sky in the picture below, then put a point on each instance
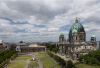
(44, 20)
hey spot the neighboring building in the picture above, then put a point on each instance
(7, 46)
(1, 41)
(27, 48)
(76, 44)
(2, 48)
(41, 44)
(98, 44)
(33, 48)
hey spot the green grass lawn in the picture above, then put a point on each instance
(23, 57)
(41, 56)
(18, 64)
(19, 58)
(83, 65)
(34, 64)
(49, 63)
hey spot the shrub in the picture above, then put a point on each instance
(57, 58)
(80, 57)
(70, 64)
(87, 60)
(94, 61)
(6, 55)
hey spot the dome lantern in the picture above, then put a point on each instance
(61, 34)
(76, 21)
(93, 35)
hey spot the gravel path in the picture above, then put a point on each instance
(27, 63)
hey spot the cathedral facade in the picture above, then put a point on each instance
(76, 43)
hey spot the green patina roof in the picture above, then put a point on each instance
(61, 34)
(74, 31)
(71, 50)
(82, 42)
(78, 27)
(93, 36)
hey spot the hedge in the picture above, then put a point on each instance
(6, 56)
(57, 58)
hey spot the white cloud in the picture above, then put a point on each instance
(52, 14)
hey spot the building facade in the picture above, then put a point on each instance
(27, 48)
(76, 44)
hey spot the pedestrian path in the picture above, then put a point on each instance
(27, 63)
(40, 64)
(64, 57)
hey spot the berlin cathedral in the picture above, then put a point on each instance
(76, 43)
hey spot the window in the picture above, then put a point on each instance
(62, 39)
(76, 38)
(85, 47)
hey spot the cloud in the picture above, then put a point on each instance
(35, 20)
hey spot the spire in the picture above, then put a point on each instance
(76, 21)
(76, 18)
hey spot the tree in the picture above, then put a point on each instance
(80, 57)
(86, 59)
(94, 61)
(70, 64)
(55, 49)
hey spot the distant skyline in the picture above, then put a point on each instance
(44, 20)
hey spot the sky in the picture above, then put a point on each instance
(44, 20)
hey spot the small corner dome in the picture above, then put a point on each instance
(82, 42)
(61, 34)
(74, 31)
(93, 36)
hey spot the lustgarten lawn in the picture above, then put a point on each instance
(41, 56)
(46, 61)
(49, 63)
(33, 64)
(20, 61)
(24, 57)
(18, 64)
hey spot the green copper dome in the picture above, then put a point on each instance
(61, 34)
(78, 27)
(93, 36)
(74, 31)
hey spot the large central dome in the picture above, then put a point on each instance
(77, 26)
(77, 32)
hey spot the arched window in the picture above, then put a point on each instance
(76, 38)
(81, 37)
